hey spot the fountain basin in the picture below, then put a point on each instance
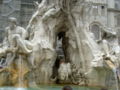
(52, 87)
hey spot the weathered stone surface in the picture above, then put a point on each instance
(30, 55)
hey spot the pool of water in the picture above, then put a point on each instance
(50, 88)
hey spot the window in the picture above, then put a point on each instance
(117, 4)
(118, 33)
(103, 10)
(118, 20)
(1, 1)
(95, 29)
(102, 7)
(95, 10)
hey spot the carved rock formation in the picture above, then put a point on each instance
(32, 58)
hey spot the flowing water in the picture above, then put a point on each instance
(51, 88)
(20, 76)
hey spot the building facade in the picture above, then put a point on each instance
(103, 13)
(20, 9)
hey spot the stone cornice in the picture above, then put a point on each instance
(113, 10)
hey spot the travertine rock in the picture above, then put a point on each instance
(31, 57)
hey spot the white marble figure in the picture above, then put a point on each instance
(64, 71)
(11, 44)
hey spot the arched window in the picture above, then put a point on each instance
(95, 29)
(118, 33)
(118, 20)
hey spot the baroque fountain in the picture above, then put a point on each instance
(29, 57)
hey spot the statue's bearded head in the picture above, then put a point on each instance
(12, 22)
